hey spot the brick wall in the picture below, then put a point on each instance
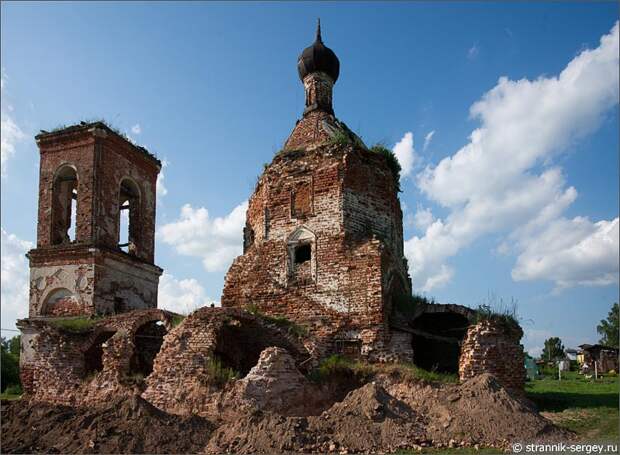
(90, 273)
(342, 200)
(57, 366)
(182, 382)
(489, 347)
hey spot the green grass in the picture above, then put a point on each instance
(10, 396)
(74, 325)
(218, 373)
(586, 406)
(391, 160)
(177, 319)
(291, 327)
(341, 137)
(339, 365)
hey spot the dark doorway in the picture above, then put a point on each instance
(436, 343)
(147, 343)
(93, 356)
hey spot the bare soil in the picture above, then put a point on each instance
(382, 416)
(128, 426)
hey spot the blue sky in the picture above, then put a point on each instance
(528, 211)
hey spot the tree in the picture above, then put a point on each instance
(9, 366)
(553, 350)
(608, 328)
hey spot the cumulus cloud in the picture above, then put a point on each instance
(423, 218)
(181, 296)
(571, 253)
(10, 133)
(534, 340)
(160, 188)
(216, 240)
(136, 129)
(14, 278)
(405, 153)
(427, 140)
(492, 184)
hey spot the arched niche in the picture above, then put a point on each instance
(129, 219)
(301, 256)
(64, 205)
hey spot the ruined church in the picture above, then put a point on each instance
(322, 271)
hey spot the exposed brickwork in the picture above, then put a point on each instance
(58, 366)
(274, 383)
(491, 348)
(91, 274)
(340, 201)
(323, 246)
(182, 379)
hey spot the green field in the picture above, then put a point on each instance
(585, 406)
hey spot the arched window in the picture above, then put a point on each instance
(301, 246)
(129, 217)
(64, 205)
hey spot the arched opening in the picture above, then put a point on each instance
(129, 217)
(147, 343)
(61, 302)
(93, 356)
(302, 256)
(64, 205)
(437, 339)
(240, 342)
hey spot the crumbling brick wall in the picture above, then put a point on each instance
(490, 347)
(89, 367)
(91, 273)
(342, 201)
(182, 381)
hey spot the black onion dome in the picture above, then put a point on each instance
(318, 57)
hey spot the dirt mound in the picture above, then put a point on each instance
(125, 426)
(367, 420)
(479, 411)
(388, 414)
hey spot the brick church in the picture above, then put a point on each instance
(323, 241)
(322, 248)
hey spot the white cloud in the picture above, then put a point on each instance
(160, 188)
(473, 51)
(423, 218)
(491, 184)
(14, 278)
(427, 140)
(216, 240)
(10, 133)
(534, 340)
(181, 296)
(405, 153)
(571, 253)
(136, 129)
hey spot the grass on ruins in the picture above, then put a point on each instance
(74, 325)
(219, 373)
(281, 321)
(12, 392)
(336, 364)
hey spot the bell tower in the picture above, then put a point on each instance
(96, 224)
